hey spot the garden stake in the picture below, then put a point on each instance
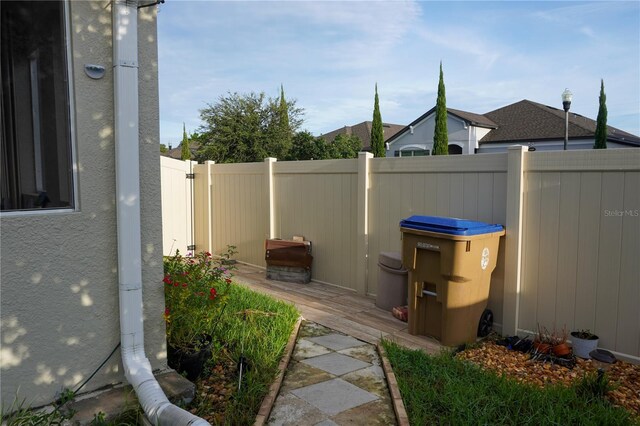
(242, 362)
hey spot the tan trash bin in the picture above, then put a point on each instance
(450, 262)
(392, 281)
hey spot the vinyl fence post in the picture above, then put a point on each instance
(362, 283)
(516, 163)
(271, 224)
(203, 206)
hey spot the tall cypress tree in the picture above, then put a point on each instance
(283, 112)
(440, 134)
(601, 121)
(377, 132)
(185, 152)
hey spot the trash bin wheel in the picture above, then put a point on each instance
(486, 323)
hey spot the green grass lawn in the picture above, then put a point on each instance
(261, 336)
(441, 389)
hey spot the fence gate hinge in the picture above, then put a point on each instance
(191, 247)
(191, 175)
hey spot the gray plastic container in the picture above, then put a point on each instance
(392, 281)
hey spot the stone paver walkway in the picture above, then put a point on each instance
(332, 379)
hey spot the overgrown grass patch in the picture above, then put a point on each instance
(257, 327)
(440, 389)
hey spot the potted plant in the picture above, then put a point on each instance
(583, 342)
(560, 347)
(542, 343)
(195, 289)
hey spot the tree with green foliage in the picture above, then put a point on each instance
(440, 134)
(163, 149)
(377, 132)
(305, 146)
(280, 135)
(345, 146)
(601, 121)
(185, 151)
(247, 128)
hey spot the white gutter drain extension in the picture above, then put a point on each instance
(136, 365)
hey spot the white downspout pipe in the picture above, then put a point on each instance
(137, 368)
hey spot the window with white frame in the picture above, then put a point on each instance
(36, 156)
(412, 152)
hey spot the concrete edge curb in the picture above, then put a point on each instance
(392, 383)
(270, 399)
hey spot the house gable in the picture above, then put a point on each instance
(524, 122)
(464, 129)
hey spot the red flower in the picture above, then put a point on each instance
(228, 280)
(167, 279)
(212, 293)
(184, 284)
(207, 254)
(176, 284)
(166, 314)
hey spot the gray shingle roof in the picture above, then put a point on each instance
(527, 121)
(363, 131)
(530, 121)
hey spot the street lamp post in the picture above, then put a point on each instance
(566, 104)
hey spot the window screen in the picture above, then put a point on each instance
(36, 137)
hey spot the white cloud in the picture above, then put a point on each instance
(329, 55)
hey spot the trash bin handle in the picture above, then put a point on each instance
(429, 293)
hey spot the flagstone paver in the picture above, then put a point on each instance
(307, 349)
(337, 341)
(337, 364)
(332, 379)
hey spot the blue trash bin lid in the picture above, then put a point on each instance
(449, 225)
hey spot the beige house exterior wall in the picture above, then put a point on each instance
(59, 289)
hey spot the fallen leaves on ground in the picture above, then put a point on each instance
(214, 391)
(519, 366)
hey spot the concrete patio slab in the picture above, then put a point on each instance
(308, 349)
(310, 395)
(312, 329)
(334, 396)
(300, 375)
(370, 379)
(376, 413)
(366, 353)
(337, 341)
(289, 410)
(337, 364)
(327, 422)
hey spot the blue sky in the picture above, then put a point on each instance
(330, 54)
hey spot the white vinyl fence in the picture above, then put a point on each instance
(569, 257)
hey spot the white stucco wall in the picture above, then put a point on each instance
(422, 137)
(59, 284)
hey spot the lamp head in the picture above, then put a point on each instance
(566, 99)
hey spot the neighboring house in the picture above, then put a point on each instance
(59, 255)
(176, 153)
(523, 123)
(363, 132)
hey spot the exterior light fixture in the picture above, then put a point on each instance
(566, 104)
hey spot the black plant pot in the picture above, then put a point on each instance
(190, 361)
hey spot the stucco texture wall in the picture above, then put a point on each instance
(422, 137)
(59, 289)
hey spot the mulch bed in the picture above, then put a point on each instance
(214, 391)
(521, 367)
